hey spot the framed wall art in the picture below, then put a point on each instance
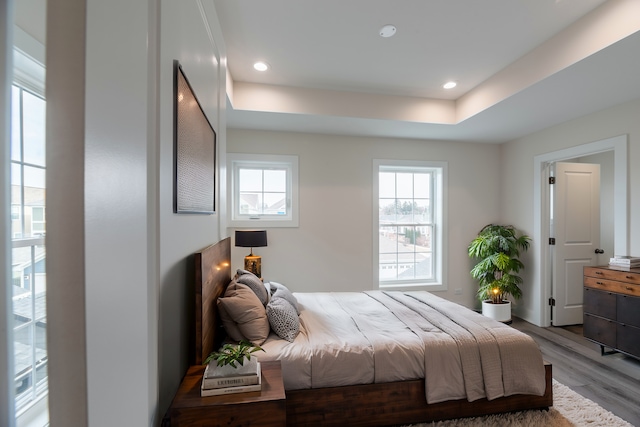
(194, 151)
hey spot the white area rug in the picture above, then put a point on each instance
(569, 409)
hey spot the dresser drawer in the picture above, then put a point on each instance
(612, 286)
(628, 310)
(628, 338)
(600, 330)
(623, 275)
(600, 303)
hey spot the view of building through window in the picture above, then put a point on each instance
(405, 221)
(262, 191)
(28, 229)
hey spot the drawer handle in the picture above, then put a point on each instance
(629, 277)
(599, 283)
(629, 288)
(598, 272)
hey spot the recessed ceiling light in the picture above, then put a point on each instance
(261, 66)
(449, 85)
(387, 31)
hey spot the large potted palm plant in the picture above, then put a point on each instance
(497, 248)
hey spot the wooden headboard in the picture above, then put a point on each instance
(212, 275)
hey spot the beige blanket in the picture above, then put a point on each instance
(365, 337)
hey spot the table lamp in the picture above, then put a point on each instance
(252, 239)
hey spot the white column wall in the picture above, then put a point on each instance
(120, 326)
(121, 298)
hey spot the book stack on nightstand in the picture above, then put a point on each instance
(218, 380)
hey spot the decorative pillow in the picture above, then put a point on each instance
(283, 318)
(267, 288)
(280, 290)
(243, 314)
(241, 271)
(256, 285)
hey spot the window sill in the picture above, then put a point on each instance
(36, 414)
(263, 223)
(429, 287)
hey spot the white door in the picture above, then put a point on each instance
(576, 229)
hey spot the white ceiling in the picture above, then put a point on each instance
(520, 65)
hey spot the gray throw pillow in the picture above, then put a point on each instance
(283, 318)
(281, 291)
(256, 285)
(241, 271)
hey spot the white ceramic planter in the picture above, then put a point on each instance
(248, 367)
(499, 312)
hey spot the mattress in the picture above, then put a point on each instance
(350, 338)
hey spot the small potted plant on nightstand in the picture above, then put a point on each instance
(234, 359)
(231, 370)
(497, 248)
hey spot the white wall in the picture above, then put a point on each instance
(121, 326)
(120, 298)
(517, 183)
(331, 249)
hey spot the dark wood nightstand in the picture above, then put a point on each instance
(260, 408)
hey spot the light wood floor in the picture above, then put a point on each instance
(612, 381)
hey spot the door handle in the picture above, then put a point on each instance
(599, 251)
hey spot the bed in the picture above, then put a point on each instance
(390, 398)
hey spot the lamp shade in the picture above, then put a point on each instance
(251, 239)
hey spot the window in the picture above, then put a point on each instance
(264, 190)
(28, 257)
(409, 212)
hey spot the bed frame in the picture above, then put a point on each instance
(394, 403)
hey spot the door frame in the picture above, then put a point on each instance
(618, 145)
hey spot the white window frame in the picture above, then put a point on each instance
(236, 161)
(439, 206)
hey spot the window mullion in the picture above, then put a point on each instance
(262, 194)
(22, 195)
(33, 323)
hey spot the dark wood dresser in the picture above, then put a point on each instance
(612, 308)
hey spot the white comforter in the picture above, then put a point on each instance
(375, 337)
